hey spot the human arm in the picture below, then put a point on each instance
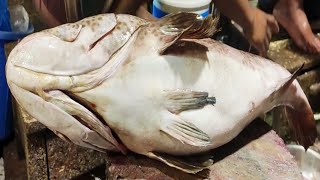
(258, 26)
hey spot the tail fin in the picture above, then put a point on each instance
(298, 110)
(302, 123)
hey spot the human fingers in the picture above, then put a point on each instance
(260, 46)
(269, 33)
(272, 22)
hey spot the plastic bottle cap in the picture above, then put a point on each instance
(186, 3)
(164, 7)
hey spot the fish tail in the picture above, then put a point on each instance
(300, 116)
(298, 110)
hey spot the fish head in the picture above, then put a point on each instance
(46, 65)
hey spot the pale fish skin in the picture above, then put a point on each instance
(161, 87)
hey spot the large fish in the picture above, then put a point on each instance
(161, 89)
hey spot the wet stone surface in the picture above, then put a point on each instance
(33, 145)
(67, 161)
(49, 157)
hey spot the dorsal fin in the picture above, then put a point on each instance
(198, 28)
(160, 35)
(193, 26)
(280, 90)
(202, 29)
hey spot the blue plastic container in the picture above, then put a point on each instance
(5, 98)
(5, 101)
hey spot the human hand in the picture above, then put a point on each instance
(259, 30)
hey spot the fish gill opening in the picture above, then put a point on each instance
(100, 39)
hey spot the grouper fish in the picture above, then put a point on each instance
(163, 89)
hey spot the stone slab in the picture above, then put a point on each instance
(34, 146)
(49, 157)
(67, 161)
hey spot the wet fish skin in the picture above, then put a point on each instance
(150, 91)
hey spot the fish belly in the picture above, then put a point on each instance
(131, 102)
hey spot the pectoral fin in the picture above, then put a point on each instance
(177, 101)
(184, 131)
(188, 164)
